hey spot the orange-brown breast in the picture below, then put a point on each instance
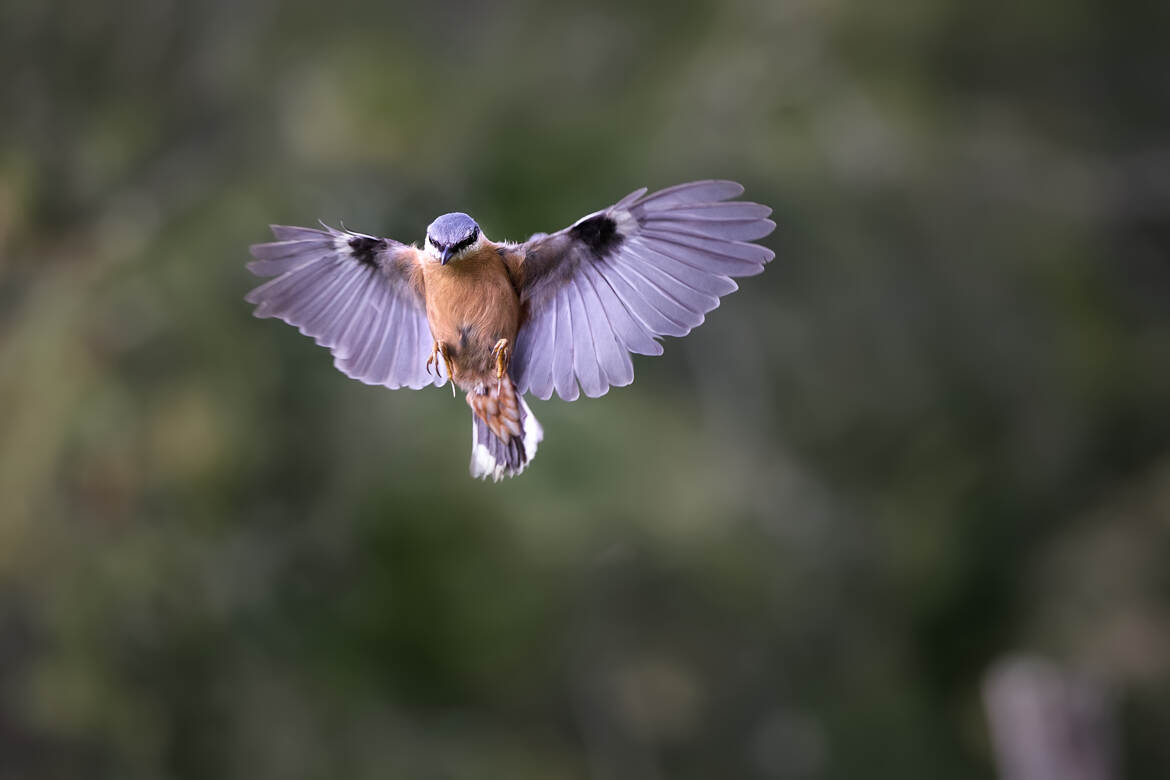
(471, 304)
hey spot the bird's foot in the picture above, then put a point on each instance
(502, 353)
(440, 351)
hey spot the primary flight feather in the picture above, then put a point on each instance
(559, 312)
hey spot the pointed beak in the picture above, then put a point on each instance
(445, 256)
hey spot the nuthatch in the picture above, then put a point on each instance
(560, 311)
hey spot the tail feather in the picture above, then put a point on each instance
(504, 432)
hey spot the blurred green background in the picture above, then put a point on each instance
(934, 432)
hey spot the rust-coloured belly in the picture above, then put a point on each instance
(471, 305)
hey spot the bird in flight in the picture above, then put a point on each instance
(560, 311)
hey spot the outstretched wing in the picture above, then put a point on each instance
(354, 294)
(618, 279)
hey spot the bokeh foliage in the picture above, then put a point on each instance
(934, 431)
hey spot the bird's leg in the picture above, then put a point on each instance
(434, 358)
(450, 367)
(502, 354)
(440, 350)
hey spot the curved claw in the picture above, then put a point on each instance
(434, 358)
(440, 350)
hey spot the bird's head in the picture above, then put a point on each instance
(451, 235)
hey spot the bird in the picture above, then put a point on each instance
(561, 312)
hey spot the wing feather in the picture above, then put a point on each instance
(540, 341)
(351, 331)
(688, 299)
(585, 363)
(381, 366)
(357, 364)
(737, 250)
(563, 377)
(282, 257)
(721, 229)
(619, 279)
(525, 357)
(668, 316)
(715, 211)
(635, 335)
(685, 269)
(719, 262)
(612, 357)
(352, 293)
(292, 233)
(709, 191)
(332, 322)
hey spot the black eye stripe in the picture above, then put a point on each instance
(458, 246)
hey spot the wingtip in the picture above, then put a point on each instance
(279, 230)
(630, 199)
(730, 183)
(259, 251)
(734, 188)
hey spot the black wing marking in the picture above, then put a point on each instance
(351, 293)
(619, 279)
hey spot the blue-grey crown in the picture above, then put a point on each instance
(453, 231)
